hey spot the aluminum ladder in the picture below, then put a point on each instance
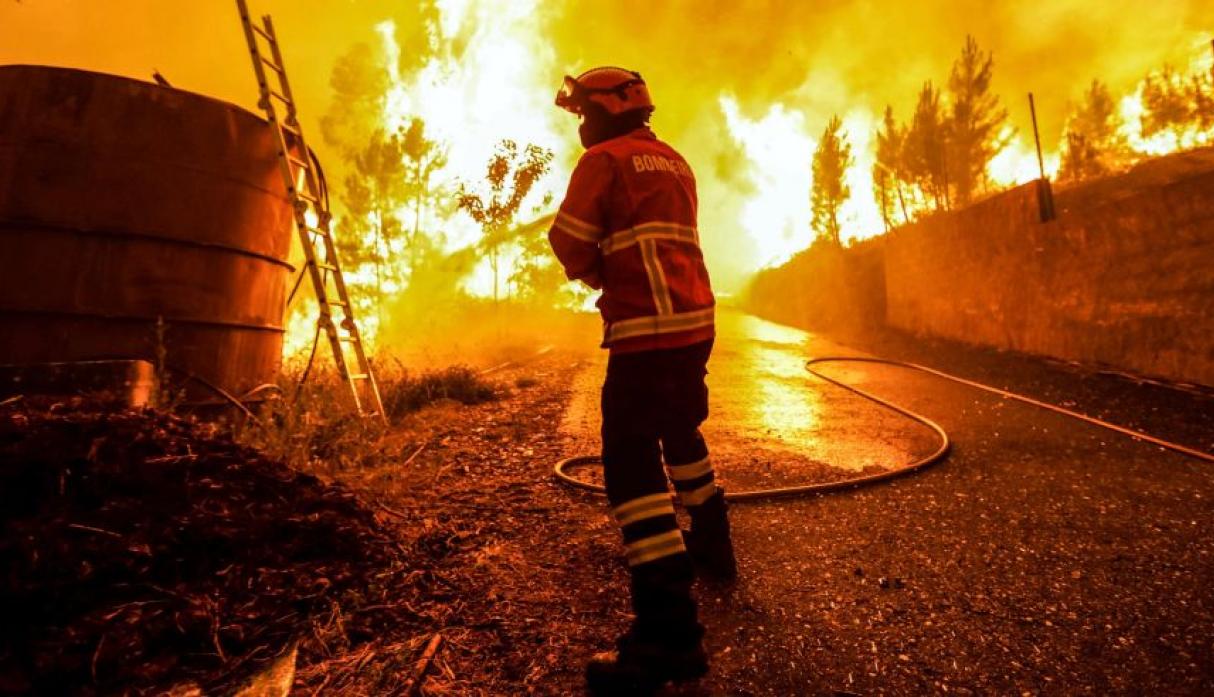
(306, 190)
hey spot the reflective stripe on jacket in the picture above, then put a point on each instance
(628, 226)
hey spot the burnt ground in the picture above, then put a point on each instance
(1043, 556)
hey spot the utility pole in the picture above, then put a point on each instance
(1045, 195)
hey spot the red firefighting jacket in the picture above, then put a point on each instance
(628, 226)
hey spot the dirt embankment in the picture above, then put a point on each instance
(143, 552)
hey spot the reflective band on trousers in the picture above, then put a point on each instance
(683, 473)
(643, 508)
(655, 547)
(698, 496)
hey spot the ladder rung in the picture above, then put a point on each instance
(341, 329)
(264, 34)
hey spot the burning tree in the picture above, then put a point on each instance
(373, 191)
(974, 123)
(941, 158)
(832, 159)
(1094, 144)
(389, 182)
(359, 84)
(537, 278)
(888, 173)
(510, 176)
(923, 149)
(1177, 104)
(423, 157)
(387, 188)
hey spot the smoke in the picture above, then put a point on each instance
(708, 62)
(850, 58)
(835, 56)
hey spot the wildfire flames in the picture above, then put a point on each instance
(743, 89)
(500, 85)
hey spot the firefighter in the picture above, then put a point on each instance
(627, 227)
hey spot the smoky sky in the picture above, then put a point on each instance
(818, 58)
(833, 56)
(823, 55)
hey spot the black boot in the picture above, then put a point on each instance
(640, 667)
(709, 542)
(665, 641)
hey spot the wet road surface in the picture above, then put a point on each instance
(1044, 556)
(771, 424)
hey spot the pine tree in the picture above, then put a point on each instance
(975, 121)
(888, 174)
(1201, 96)
(832, 159)
(924, 152)
(1167, 103)
(1094, 145)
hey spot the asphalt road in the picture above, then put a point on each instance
(1045, 556)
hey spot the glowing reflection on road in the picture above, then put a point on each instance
(762, 377)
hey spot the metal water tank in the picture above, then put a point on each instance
(139, 221)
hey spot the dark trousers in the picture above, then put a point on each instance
(653, 405)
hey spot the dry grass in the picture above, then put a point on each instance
(312, 426)
(405, 392)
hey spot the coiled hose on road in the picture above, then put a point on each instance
(939, 454)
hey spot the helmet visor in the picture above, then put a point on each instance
(568, 96)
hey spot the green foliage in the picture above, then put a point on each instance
(388, 196)
(832, 159)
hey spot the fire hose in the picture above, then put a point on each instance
(561, 470)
